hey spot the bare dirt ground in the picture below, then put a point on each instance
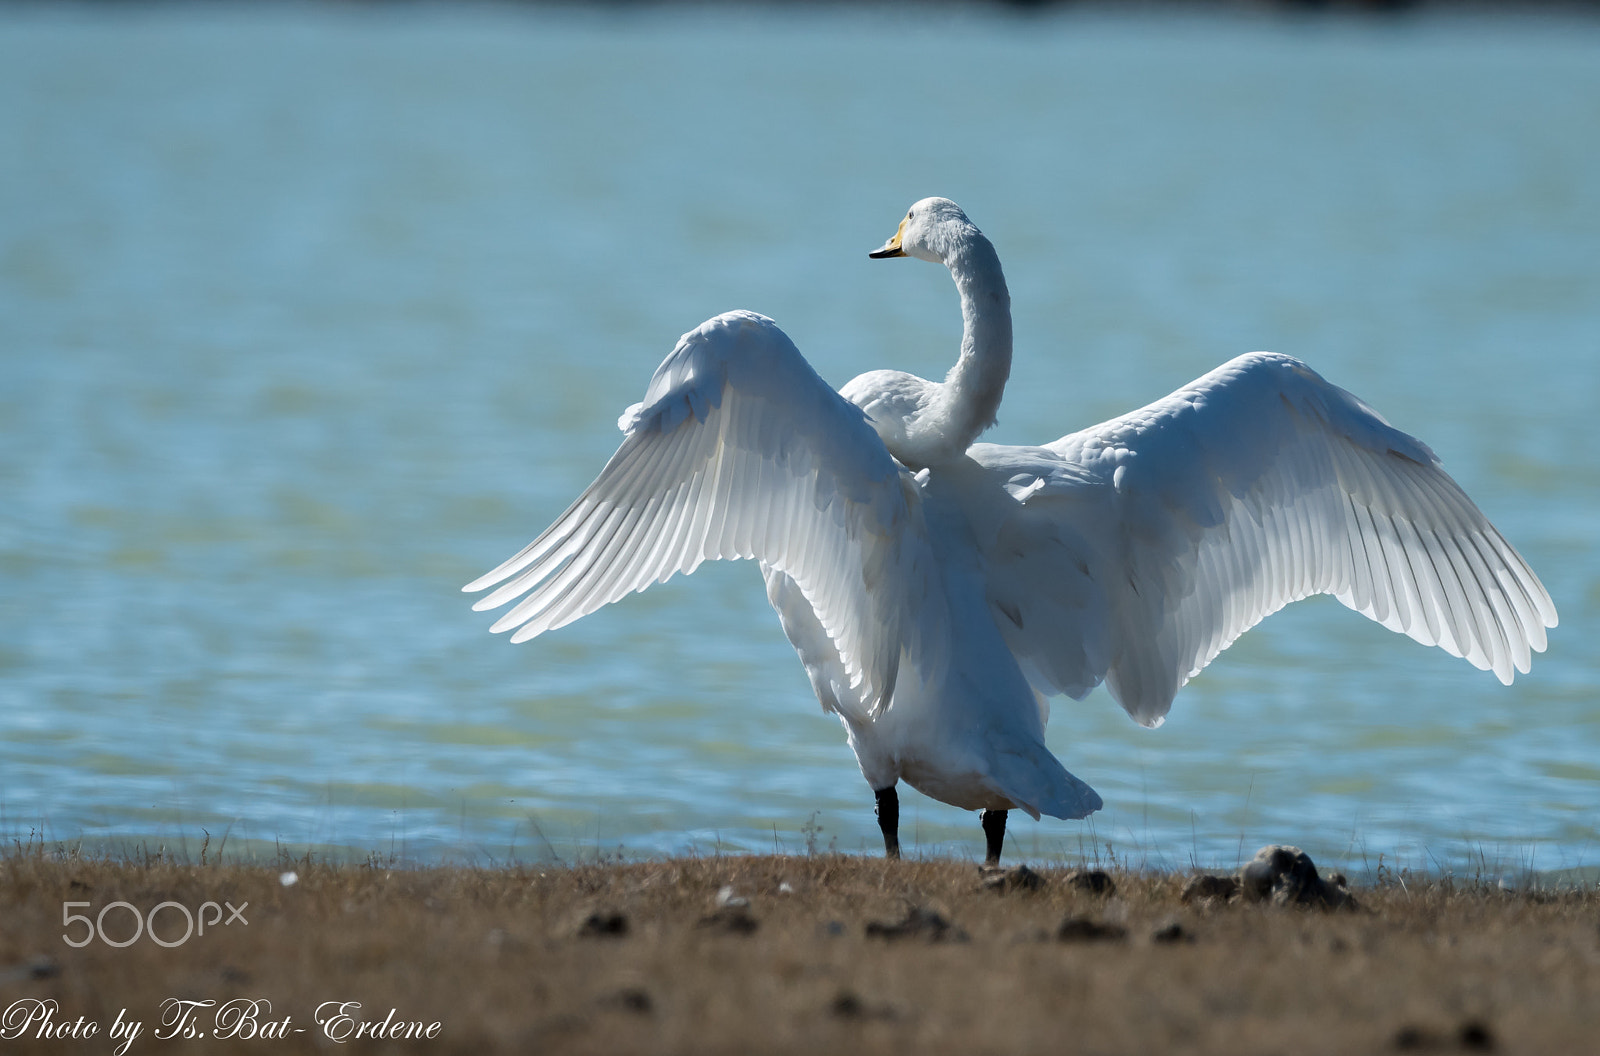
(823, 953)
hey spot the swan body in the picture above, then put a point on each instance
(937, 589)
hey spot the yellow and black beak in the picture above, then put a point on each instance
(891, 248)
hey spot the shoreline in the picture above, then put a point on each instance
(783, 953)
(1504, 865)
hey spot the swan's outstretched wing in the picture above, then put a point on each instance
(739, 450)
(1252, 487)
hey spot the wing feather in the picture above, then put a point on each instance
(1252, 487)
(739, 450)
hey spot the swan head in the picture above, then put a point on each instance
(934, 229)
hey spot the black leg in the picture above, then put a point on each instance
(889, 820)
(994, 831)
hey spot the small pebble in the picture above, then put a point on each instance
(918, 922)
(1019, 878)
(733, 919)
(847, 1005)
(1171, 933)
(41, 967)
(1475, 1036)
(632, 999)
(1409, 1038)
(603, 925)
(1220, 888)
(1083, 929)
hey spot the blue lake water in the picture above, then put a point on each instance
(310, 315)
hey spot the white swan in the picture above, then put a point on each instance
(937, 589)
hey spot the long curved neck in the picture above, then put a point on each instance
(969, 399)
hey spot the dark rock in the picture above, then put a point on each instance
(1017, 878)
(1219, 888)
(1093, 881)
(1286, 876)
(1083, 929)
(1472, 1036)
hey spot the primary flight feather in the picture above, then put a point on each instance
(938, 589)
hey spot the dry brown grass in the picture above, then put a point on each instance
(529, 960)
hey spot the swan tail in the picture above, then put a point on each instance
(1039, 784)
